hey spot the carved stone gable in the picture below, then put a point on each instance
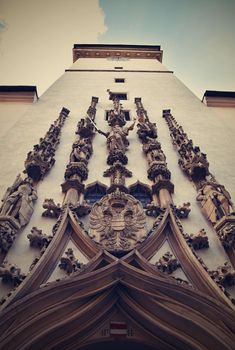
(117, 221)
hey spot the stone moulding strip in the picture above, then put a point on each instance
(215, 200)
(35, 167)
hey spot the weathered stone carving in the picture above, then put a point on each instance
(76, 168)
(77, 171)
(157, 166)
(52, 210)
(225, 229)
(81, 151)
(215, 201)
(117, 221)
(117, 138)
(116, 116)
(224, 275)
(182, 211)
(118, 173)
(167, 263)
(37, 239)
(69, 263)
(85, 128)
(41, 159)
(16, 210)
(8, 230)
(198, 240)
(153, 210)
(192, 160)
(11, 274)
(117, 156)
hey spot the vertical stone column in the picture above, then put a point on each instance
(157, 172)
(76, 170)
(215, 201)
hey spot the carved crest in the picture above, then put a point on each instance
(117, 221)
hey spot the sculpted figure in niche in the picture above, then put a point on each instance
(117, 137)
(215, 200)
(82, 150)
(145, 127)
(18, 202)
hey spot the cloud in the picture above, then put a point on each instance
(37, 45)
(2, 25)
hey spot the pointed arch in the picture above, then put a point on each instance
(174, 316)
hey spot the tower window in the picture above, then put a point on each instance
(126, 113)
(120, 96)
(119, 80)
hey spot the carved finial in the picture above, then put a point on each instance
(69, 263)
(11, 274)
(37, 239)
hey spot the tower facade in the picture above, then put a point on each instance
(120, 229)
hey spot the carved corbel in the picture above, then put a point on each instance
(153, 210)
(224, 275)
(52, 210)
(182, 211)
(198, 240)
(117, 156)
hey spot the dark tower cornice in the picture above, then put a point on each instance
(117, 50)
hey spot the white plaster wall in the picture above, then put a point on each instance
(213, 133)
(10, 112)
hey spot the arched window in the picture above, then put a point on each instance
(141, 192)
(94, 192)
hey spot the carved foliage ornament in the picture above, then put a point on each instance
(117, 221)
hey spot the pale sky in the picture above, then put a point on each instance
(197, 37)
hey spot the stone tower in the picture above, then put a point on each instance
(117, 226)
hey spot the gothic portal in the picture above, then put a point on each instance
(117, 226)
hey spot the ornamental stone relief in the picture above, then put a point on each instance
(117, 222)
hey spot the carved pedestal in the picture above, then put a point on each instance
(8, 230)
(225, 229)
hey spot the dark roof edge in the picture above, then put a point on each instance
(215, 93)
(19, 88)
(116, 46)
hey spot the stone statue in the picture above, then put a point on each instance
(82, 150)
(18, 202)
(215, 201)
(117, 137)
